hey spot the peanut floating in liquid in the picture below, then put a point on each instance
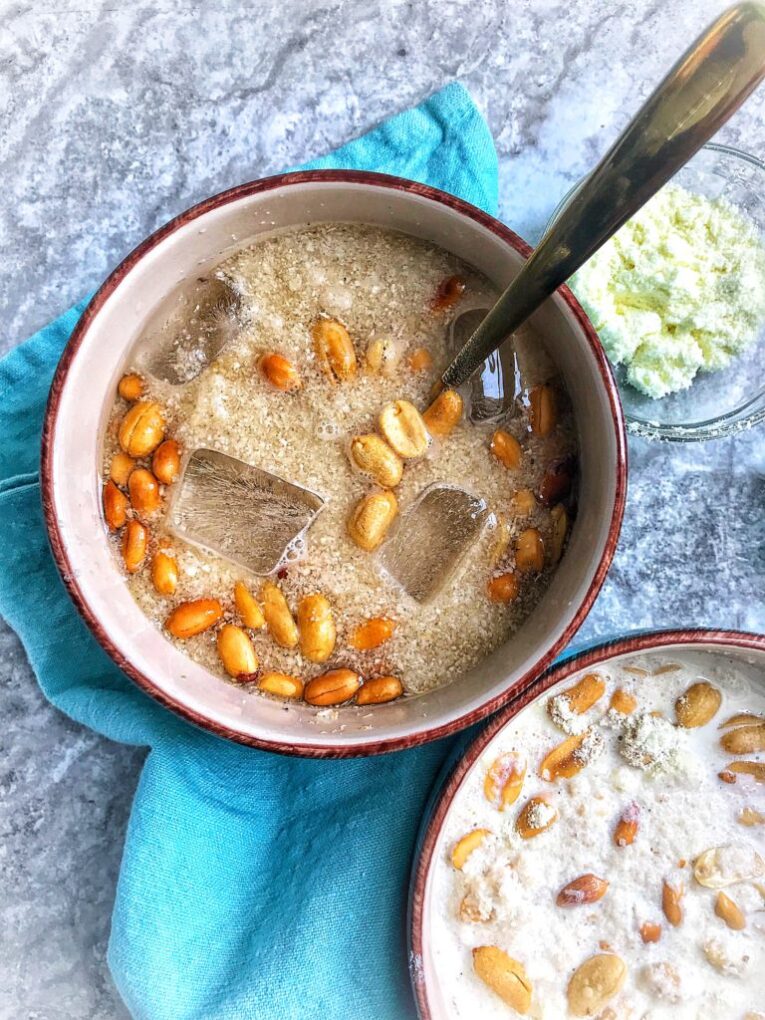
(334, 349)
(444, 413)
(166, 462)
(371, 518)
(280, 372)
(404, 429)
(142, 429)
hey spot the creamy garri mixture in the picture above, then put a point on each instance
(606, 855)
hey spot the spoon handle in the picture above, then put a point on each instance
(699, 94)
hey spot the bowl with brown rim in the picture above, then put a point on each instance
(98, 353)
(733, 647)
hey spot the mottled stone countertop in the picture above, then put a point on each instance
(116, 117)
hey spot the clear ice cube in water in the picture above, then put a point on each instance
(497, 390)
(494, 387)
(189, 330)
(431, 538)
(245, 514)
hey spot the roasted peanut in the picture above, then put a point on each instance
(279, 619)
(142, 429)
(594, 983)
(739, 719)
(697, 705)
(144, 491)
(402, 426)
(372, 633)
(537, 815)
(749, 768)
(444, 413)
(115, 506)
(236, 652)
(583, 890)
(448, 293)
(466, 845)
(749, 816)
(166, 462)
(530, 551)
(506, 449)
(503, 588)
(317, 628)
(190, 618)
(332, 688)
(135, 539)
(559, 519)
(557, 481)
(523, 503)
(585, 693)
(505, 976)
(334, 349)
(281, 685)
(164, 573)
(744, 739)
(671, 902)
(668, 667)
(565, 760)
(247, 607)
(420, 360)
(374, 457)
(371, 518)
(650, 932)
(279, 372)
(730, 912)
(623, 702)
(627, 826)
(379, 689)
(503, 782)
(543, 414)
(720, 866)
(130, 387)
(120, 469)
(383, 356)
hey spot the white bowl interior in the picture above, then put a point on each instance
(425, 970)
(86, 399)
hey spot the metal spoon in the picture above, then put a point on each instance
(703, 89)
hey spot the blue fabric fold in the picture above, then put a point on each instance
(252, 885)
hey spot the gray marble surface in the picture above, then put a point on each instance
(114, 118)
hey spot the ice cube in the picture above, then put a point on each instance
(492, 388)
(520, 363)
(189, 330)
(245, 514)
(431, 538)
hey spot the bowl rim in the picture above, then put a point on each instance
(466, 754)
(730, 423)
(58, 545)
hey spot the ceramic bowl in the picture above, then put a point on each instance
(80, 402)
(725, 647)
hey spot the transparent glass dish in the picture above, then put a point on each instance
(726, 401)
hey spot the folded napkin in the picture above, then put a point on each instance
(252, 885)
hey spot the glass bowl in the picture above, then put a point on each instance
(722, 402)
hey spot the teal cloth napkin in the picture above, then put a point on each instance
(252, 885)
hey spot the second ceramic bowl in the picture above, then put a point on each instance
(705, 647)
